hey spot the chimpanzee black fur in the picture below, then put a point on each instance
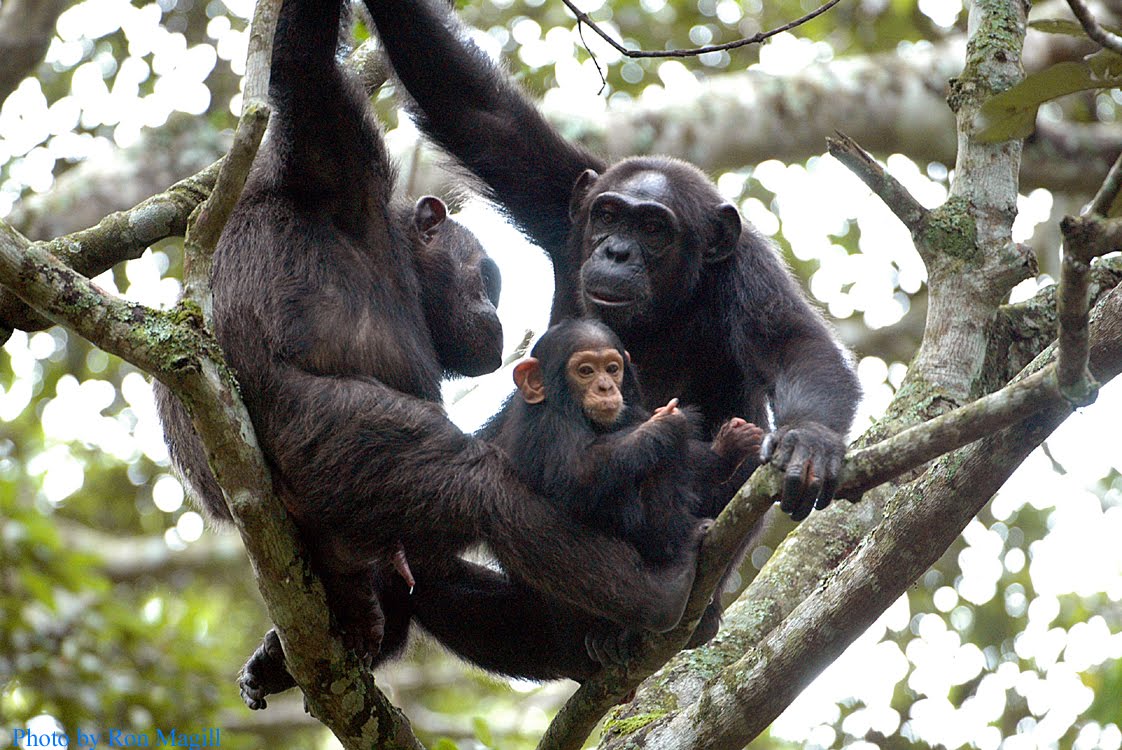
(647, 245)
(318, 307)
(699, 298)
(642, 478)
(460, 288)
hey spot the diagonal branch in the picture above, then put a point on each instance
(1107, 39)
(888, 188)
(121, 236)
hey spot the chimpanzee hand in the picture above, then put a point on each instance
(738, 441)
(671, 408)
(810, 454)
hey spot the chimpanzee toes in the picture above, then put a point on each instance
(252, 694)
(612, 644)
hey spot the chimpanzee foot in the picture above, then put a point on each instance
(362, 632)
(676, 584)
(610, 644)
(265, 673)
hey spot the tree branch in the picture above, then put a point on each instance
(118, 237)
(1108, 40)
(26, 28)
(1085, 238)
(1109, 190)
(907, 209)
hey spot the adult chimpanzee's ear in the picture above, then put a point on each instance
(727, 235)
(528, 378)
(429, 213)
(581, 187)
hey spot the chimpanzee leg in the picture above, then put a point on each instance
(501, 624)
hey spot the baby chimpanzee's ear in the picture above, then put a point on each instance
(528, 377)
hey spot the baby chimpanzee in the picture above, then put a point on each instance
(579, 437)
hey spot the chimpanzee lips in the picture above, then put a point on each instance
(608, 298)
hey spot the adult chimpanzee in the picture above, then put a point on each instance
(317, 307)
(460, 287)
(577, 435)
(647, 245)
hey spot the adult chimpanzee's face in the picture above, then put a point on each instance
(635, 259)
(460, 287)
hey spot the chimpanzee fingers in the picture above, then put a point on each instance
(779, 447)
(252, 695)
(830, 479)
(613, 646)
(798, 475)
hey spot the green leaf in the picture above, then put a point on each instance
(1105, 64)
(1011, 115)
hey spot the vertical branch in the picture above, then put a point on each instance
(1072, 299)
(207, 224)
(1085, 238)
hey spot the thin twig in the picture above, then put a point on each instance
(1108, 191)
(584, 18)
(1107, 39)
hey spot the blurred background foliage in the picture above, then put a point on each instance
(119, 610)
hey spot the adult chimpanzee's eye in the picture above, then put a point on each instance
(606, 214)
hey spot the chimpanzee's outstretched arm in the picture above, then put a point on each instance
(469, 106)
